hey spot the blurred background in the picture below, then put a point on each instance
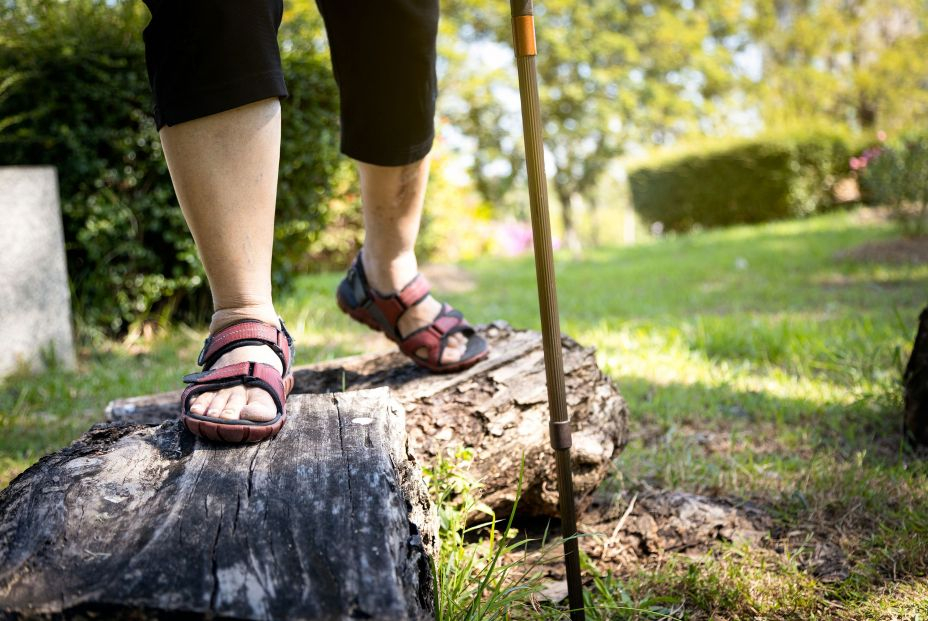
(740, 201)
(660, 116)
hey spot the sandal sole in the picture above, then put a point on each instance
(232, 434)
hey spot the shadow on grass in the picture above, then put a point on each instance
(832, 472)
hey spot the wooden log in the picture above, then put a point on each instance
(915, 380)
(329, 521)
(499, 407)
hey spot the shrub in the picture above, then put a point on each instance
(896, 175)
(74, 94)
(746, 182)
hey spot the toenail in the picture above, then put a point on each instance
(197, 407)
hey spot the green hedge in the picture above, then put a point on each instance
(74, 94)
(753, 181)
(895, 174)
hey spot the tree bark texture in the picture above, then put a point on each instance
(915, 380)
(329, 521)
(498, 407)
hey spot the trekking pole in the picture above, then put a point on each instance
(523, 34)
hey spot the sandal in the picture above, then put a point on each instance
(259, 374)
(382, 313)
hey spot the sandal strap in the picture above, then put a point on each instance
(434, 336)
(394, 305)
(386, 309)
(246, 333)
(255, 374)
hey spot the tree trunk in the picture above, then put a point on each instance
(571, 237)
(915, 381)
(499, 407)
(328, 521)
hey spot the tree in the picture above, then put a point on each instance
(611, 72)
(862, 62)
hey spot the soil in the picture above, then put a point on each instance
(898, 251)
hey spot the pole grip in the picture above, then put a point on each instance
(521, 7)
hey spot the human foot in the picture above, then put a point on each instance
(389, 277)
(239, 402)
(433, 334)
(240, 396)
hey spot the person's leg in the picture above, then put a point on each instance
(392, 199)
(383, 58)
(224, 169)
(216, 79)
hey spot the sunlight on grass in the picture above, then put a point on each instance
(759, 363)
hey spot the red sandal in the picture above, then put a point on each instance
(382, 313)
(258, 374)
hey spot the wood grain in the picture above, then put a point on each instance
(329, 521)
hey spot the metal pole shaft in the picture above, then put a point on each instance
(524, 42)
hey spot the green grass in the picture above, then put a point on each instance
(756, 361)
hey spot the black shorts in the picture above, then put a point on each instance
(206, 56)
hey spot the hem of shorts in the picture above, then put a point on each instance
(221, 97)
(391, 158)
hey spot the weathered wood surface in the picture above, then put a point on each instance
(329, 521)
(915, 381)
(499, 407)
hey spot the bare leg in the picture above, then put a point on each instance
(392, 198)
(224, 169)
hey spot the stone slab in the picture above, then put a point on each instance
(35, 301)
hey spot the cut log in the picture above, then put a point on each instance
(498, 407)
(329, 521)
(915, 380)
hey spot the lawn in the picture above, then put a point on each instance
(760, 363)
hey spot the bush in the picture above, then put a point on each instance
(74, 94)
(747, 182)
(896, 174)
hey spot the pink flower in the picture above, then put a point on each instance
(857, 163)
(881, 136)
(515, 238)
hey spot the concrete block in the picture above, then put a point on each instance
(35, 302)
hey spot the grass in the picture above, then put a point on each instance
(757, 363)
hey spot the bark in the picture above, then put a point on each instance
(915, 380)
(329, 521)
(571, 237)
(498, 407)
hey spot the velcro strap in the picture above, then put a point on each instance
(394, 305)
(415, 291)
(255, 374)
(246, 331)
(220, 374)
(269, 374)
(446, 321)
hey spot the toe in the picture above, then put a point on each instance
(259, 406)
(233, 406)
(455, 349)
(218, 403)
(200, 402)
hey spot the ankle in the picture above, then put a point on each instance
(224, 317)
(391, 273)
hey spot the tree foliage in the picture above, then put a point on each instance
(861, 62)
(74, 94)
(611, 73)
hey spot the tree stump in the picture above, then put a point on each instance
(330, 521)
(498, 407)
(915, 380)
